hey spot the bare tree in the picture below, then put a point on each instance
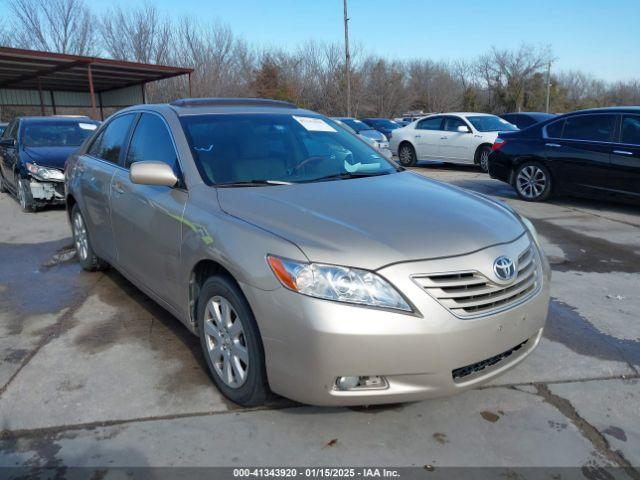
(506, 72)
(65, 26)
(141, 34)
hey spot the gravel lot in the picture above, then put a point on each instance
(93, 373)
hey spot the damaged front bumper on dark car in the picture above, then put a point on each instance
(46, 191)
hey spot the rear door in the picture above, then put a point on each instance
(147, 219)
(454, 145)
(96, 169)
(427, 137)
(625, 157)
(578, 151)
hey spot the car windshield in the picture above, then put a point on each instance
(57, 134)
(381, 122)
(491, 123)
(357, 125)
(261, 149)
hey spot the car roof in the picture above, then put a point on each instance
(630, 109)
(200, 106)
(57, 119)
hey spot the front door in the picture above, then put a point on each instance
(426, 137)
(625, 157)
(147, 219)
(457, 146)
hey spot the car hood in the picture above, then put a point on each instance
(49, 156)
(374, 221)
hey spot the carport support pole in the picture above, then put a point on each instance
(41, 98)
(91, 92)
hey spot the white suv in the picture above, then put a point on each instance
(450, 137)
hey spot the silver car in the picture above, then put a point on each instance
(285, 244)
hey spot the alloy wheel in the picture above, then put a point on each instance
(226, 342)
(531, 182)
(484, 160)
(80, 237)
(406, 155)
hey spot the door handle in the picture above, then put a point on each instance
(622, 152)
(416, 136)
(553, 145)
(443, 138)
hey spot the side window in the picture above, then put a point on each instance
(110, 141)
(431, 123)
(630, 132)
(554, 130)
(597, 128)
(151, 141)
(451, 124)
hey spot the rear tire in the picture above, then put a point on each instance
(482, 158)
(532, 182)
(407, 155)
(231, 342)
(84, 251)
(3, 188)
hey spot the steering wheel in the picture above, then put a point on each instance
(307, 161)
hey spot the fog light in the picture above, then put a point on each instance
(361, 383)
(347, 383)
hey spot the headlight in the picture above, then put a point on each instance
(341, 284)
(384, 138)
(44, 173)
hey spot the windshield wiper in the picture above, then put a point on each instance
(345, 176)
(252, 183)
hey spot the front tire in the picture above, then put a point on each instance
(532, 182)
(25, 198)
(231, 342)
(407, 155)
(84, 251)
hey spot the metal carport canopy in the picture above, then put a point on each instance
(34, 78)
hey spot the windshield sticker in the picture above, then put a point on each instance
(361, 167)
(314, 124)
(87, 126)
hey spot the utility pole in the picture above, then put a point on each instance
(347, 58)
(548, 85)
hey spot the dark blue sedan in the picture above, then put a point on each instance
(33, 151)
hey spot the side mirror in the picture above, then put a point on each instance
(464, 129)
(7, 142)
(152, 173)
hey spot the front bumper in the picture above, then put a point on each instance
(47, 192)
(309, 342)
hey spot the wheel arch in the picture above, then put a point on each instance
(200, 272)
(476, 155)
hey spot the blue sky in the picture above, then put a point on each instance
(598, 37)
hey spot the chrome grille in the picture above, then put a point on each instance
(469, 293)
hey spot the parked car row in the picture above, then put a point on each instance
(273, 234)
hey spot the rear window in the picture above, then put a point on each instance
(56, 134)
(357, 125)
(285, 148)
(589, 127)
